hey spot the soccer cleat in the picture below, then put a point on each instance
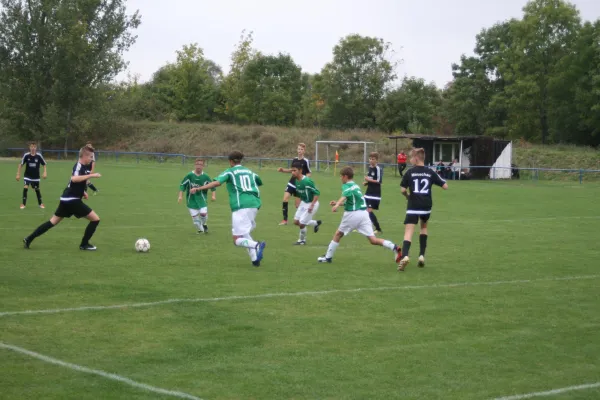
(403, 263)
(42, 206)
(421, 262)
(398, 254)
(88, 246)
(316, 228)
(300, 243)
(256, 263)
(205, 228)
(283, 222)
(26, 243)
(22, 206)
(324, 259)
(260, 248)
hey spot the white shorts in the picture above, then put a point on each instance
(358, 220)
(193, 213)
(242, 221)
(302, 213)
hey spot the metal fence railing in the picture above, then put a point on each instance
(452, 173)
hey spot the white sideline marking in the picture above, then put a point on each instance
(98, 372)
(292, 294)
(551, 392)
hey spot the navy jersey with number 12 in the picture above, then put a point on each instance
(418, 181)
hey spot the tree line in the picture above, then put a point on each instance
(535, 78)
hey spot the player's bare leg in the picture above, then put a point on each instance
(409, 229)
(40, 230)
(89, 231)
(333, 245)
(423, 244)
(388, 245)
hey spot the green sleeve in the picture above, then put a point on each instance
(313, 187)
(223, 178)
(258, 180)
(185, 183)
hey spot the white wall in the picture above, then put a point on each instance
(505, 160)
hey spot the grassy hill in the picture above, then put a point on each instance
(272, 141)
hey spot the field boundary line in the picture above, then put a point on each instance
(550, 392)
(292, 294)
(107, 375)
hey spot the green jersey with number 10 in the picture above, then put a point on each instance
(355, 199)
(242, 186)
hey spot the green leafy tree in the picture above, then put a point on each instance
(271, 90)
(54, 55)
(410, 108)
(356, 80)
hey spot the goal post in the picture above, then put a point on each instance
(325, 152)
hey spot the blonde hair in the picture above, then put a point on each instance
(85, 149)
(418, 153)
(302, 145)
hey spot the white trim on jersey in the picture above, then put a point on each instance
(418, 212)
(69, 198)
(42, 157)
(76, 172)
(379, 177)
(30, 180)
(23, 159)
(372, 197)
(308, 166)
(291, 185)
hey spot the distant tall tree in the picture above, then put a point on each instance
(355, 80)
(53, 55)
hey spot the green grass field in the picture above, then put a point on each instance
(508, 303)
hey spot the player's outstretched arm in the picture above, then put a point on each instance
(284, 170)
(180, 196)
(81, 178)
(45, 172)
(211, 185)
(336, 204)
(19, 172)
(445, 186)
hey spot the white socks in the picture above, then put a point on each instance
(203, 219)
(331, 249)
(312, 222)
(388, 245)
(249, 244)
(198, 223)
(302, 237)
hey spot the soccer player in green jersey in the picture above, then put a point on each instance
(244, 200)
(309, 202)
(196, 202)
(355, 217)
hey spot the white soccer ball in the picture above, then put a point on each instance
(142, 246)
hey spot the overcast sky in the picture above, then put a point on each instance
(427, 35)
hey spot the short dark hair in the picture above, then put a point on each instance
(347, 171)
(236, 156)
(374, 155)
(297, 164)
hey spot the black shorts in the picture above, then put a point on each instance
(291, 187)
(66, 209)
(33, 184)
(372, 203)
(414, 218)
